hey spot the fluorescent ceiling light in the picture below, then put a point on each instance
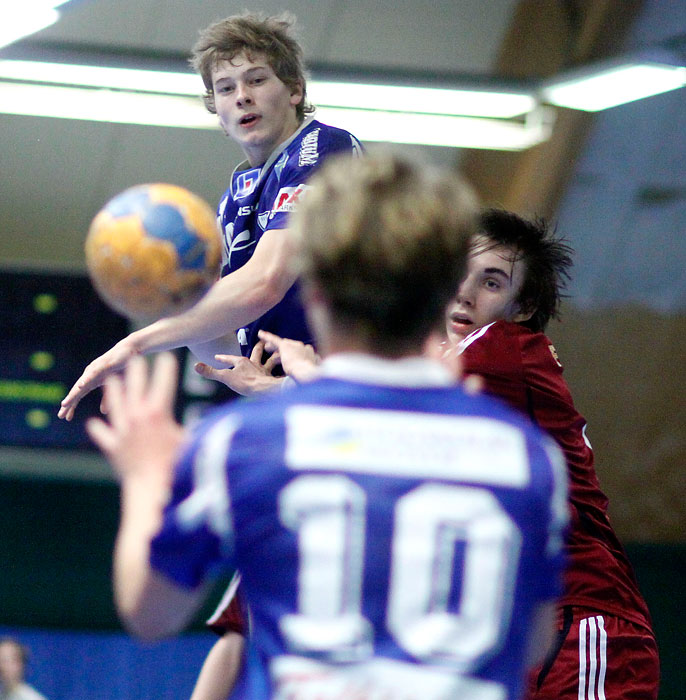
(440, 130)
(19, 19)
(166, 82)
(123, 107)
(592, 91)
(502, 104)
(103, 105)
(428, 100)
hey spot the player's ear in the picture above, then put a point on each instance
(524, 313)
(297, 94)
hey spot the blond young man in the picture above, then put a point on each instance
(253, 72)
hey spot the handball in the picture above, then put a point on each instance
(153, 251)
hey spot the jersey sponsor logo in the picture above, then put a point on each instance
(287, 199)
(405, 444)
(240, 241)
(245, 183)
(280, 165)
(309, 149)
(226, 242)
(263, 219)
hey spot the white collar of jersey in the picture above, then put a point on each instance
(245, 165)
(405, 372)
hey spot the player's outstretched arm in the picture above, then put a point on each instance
(232, 302)
(140, 440)
(95, 375)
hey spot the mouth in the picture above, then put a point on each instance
(249, 120)
(460, 321)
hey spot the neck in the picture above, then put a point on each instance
(350, 340)
(258, 155)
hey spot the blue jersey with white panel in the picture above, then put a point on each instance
(394, 534)
(262, 198)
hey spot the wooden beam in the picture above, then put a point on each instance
(544, 38)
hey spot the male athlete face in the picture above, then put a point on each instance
(255, 108)
(488, 292)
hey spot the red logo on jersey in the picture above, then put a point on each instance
(287, 199)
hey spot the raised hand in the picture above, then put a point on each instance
(114, 360)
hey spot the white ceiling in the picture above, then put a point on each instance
(57, 173)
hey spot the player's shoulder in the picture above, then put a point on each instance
(317, 140)
(491, 332)
(503, 336)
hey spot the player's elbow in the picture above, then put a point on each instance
(141, 629)
(146, 626)
(271, 288)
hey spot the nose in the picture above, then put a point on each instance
(464, 294)
(243, 96)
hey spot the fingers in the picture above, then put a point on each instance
(272, 361)
(257, 352)
(102, 435)
(207, 371)
(135, 378)
(163, 382)
(70, 402)
(89, 380)
(272, 341)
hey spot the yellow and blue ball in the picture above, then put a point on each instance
(153, 251)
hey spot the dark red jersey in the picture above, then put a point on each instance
(522, 368)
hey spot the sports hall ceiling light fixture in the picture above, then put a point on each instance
(471, 116)
(616, 82)
(439, 116)
(19, 19)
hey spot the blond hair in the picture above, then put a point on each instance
(252, 34)
(386, 243)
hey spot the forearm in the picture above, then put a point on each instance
(232, 302)
(220, 670)
(142, 502)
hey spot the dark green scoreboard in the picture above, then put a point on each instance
(51, 326)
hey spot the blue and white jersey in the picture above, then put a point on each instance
(261, 198)
(394, 534)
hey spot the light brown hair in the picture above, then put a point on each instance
(386, 242)
(252, 34)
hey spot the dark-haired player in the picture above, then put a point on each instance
(605, 646)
